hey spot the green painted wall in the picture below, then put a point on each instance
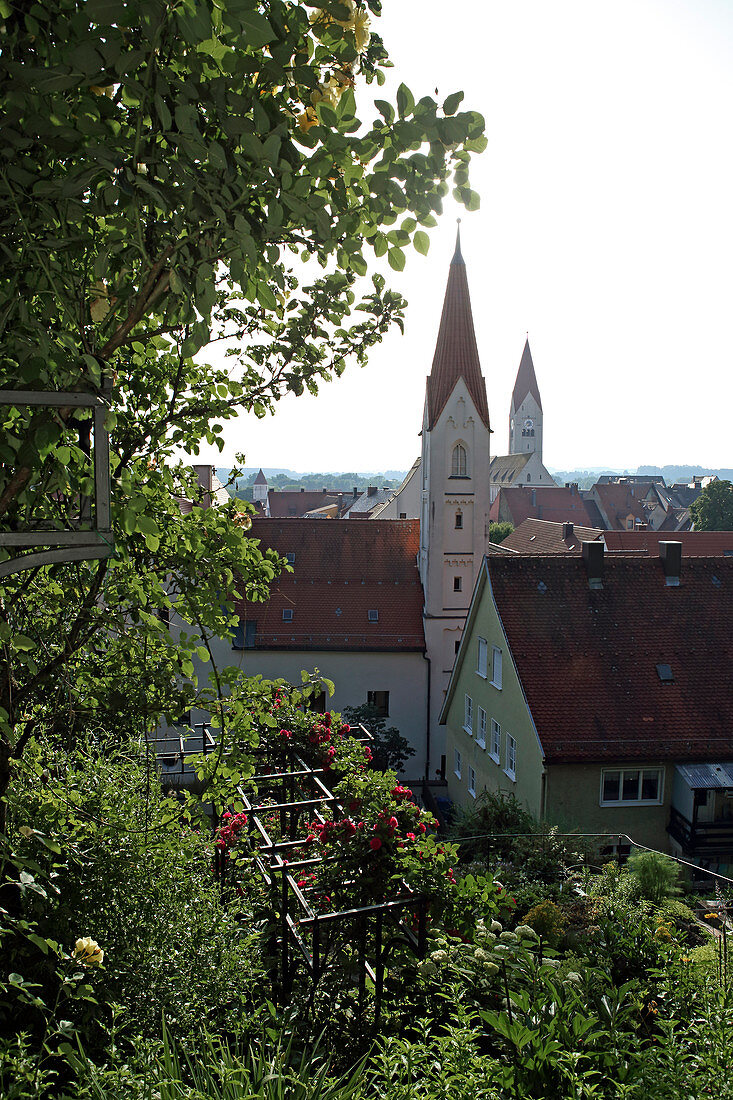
(506, 706)
(573, 795)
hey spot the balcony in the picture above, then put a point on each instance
(710, 838)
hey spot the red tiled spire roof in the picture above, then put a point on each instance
(456, 353)
(526, 380)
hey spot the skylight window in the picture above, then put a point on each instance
(373, 616)
(664, 672)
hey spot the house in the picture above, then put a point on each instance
(351, 605)
(621, 505)
(597, 689)
(541, 536)
(294, 504)
(365, 505)
(559, 504)
(694, 543)
(405, 500)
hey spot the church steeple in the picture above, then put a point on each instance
(525, 412)
(456, 353)
(526, 380)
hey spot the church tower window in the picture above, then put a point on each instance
(459, 521)
(459, 466)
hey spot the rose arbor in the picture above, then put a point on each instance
(332, 864)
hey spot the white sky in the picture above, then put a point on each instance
(605, 230)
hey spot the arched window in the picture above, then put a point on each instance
(529, 477)
(459, 465)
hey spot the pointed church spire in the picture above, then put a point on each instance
(456, 353)
(526, 380)
(457, 257)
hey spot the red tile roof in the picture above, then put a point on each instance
(526, 380)
(616, 502)
(283, 503)
(694, 543)
(587, 659)
(539, 536)
(554, 503)
(342, 570)
(456, 353)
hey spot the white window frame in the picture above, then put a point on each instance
(632, 801)
(468, 715)
(472, 782)
(288, 614)
(495, 746)
(482, 659)
(457, 762)
(511, 757)
(481, 731)
(496, 663)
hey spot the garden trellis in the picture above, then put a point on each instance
(283, 795)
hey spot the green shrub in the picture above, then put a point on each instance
(657, 875)
(548, 921)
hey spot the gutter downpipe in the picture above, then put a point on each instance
(427, 738)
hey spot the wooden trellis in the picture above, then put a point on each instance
(294, 793)
(91, 536)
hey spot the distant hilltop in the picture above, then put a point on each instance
(284, 480)
(673, 475)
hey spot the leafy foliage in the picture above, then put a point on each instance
(713, 509)
(390, 749)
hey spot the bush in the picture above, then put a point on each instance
(133, 875)
(657, 875)
(548, 921)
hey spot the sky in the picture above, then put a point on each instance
(605, 232)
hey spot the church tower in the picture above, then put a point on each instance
(525, 411)
(454, 517)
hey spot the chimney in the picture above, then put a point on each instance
(372, 491)
(325, 490)
(593, 558)
(567, 530)
(534, 498)
(356, 492)
(302, 490)
(671, 555)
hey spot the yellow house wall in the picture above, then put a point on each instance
(508, 707)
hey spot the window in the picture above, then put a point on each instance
(495, 749)
(483, 658)
(403, 515)
(481, 735)
(380, 701)
(459, 465)
(619, 786)
(457, 646)
(243, 634)
(457, 584)
(496, 666)
(529, 478)
(287, 614)
(468, 715)
(457, 763)
(472, 782)
(630, 523)
(459, 521)
(290, 557)
(373, 616)
(511, 757)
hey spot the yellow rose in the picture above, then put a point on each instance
(88, 952)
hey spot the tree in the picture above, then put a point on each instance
(713, 509)
(499, 531)
(163, 173)
(390, 750)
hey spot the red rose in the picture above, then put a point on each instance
(375, 844)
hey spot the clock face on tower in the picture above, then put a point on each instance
(529, 423)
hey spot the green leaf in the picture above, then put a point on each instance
(396, 258)
(452, 103)
(421, 242)
(405, 101)
(23, 643)
(257, 30)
